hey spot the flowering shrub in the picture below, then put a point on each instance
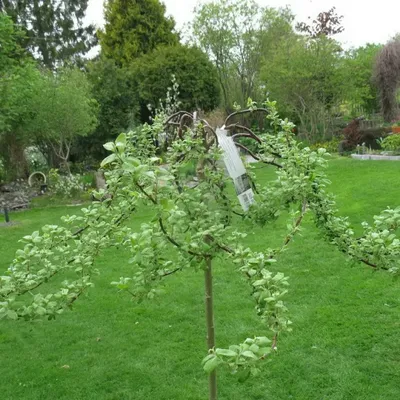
(36, 160)
(66, 185)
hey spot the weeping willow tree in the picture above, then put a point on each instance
(387, 77)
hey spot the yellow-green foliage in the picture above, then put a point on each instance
(391, 143)
(331, 146)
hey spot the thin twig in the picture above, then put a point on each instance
(170, 272)
(289, 237)
(256, 157)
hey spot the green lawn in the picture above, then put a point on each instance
(345, 342)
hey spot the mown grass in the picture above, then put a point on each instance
(344, 345)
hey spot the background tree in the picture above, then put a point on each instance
(194, 73)
(134, 28)
(54, 28)
(387, 77)
(303, 75)
(360, 96)
(19, 79)
(10, 36)
(113, 89)
(64, 110)
(237, 35)
(327, 23)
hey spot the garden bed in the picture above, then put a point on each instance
(375, 157)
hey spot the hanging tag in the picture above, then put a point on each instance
(236, 169)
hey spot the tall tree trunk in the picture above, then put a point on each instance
(12, 151)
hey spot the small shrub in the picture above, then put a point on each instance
(391, 143)
(331, 146)
(36, 160)
(352, 135)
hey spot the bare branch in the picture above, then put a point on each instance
(246, 111)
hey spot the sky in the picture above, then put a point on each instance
(364, 21)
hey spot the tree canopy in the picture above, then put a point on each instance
(19, 78)
(114, 90)
(134, 28)
(63, 110)
(387, 75)
(327, 23)
(303, 74)
(194, 73)
(54, 28)
(238, 35)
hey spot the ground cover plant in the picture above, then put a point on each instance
(299, 182)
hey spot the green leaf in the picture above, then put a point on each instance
(108, 160)
(225, 352)
(120, 142)
(110, 146)
(20, 253)
(131, 164)
(166, 204)
(249, 354)
(262, 341)
(150, 174)
(279, 276)
(209, 357)
(211, 364)
(251, 272)
(254, 348)
(264, 350)
(12, 314)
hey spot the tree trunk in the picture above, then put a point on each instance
(212, 380)
(12, 150)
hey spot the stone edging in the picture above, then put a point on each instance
(374, 157)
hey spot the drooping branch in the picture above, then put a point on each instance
(249, 132)
(246, 111)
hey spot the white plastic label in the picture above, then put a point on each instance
(236, 169)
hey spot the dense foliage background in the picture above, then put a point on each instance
(56, 100)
